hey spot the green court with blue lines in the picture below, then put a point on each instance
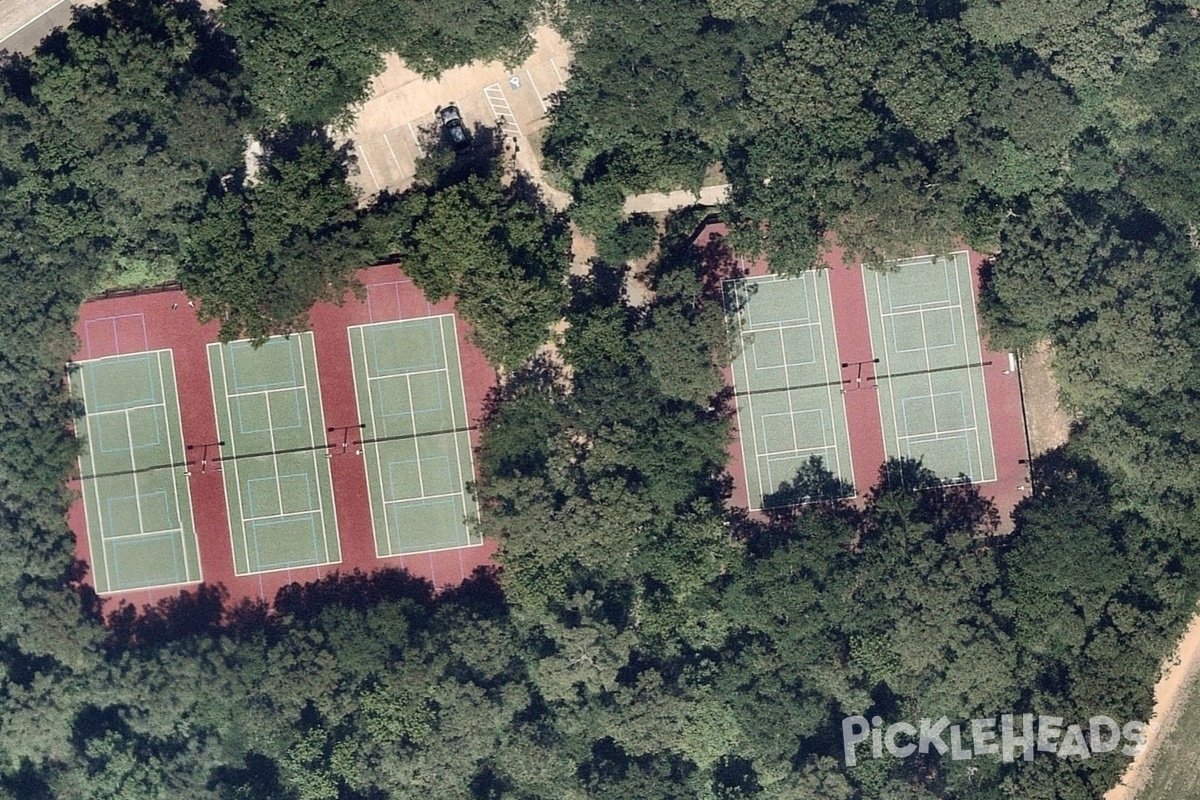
(415, 441)
(136, 499)
(932, 398)
(788, 381)
(278, 486)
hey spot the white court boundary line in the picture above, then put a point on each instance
(440, 320)
(186, 497)
(970, 373)
(882, 353)
(317, 463)
(937, 433)
(305, 388)
(828, 348)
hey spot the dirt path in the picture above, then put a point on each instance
(667, 201)
(1049, 422)
(1168, 703)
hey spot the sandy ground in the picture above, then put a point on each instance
(387, 129)
(1049, 423)
(583, 250)
(1168, 702)
(667, 201)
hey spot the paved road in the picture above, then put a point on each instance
(24, 23)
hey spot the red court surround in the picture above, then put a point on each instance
(862, 405)
(157, 320)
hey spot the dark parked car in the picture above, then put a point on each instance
(452, 126)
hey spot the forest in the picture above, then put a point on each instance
(639, 638)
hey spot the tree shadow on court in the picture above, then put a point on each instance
(354, 590)
(813, 486)
(712, 262)
(948, 506)
(207, 609)
(480, 594)
(192, 612)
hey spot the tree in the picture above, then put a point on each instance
(1153, 112)
(498, 249)
(1087, 43)
(103, 123)
(268, 247)
(308, 62)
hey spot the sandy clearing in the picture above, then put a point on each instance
(1168, 696)
(1049, 422)
(387, 130)
(654, 202)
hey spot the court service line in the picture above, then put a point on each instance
(837, 455)
(967, 334)
(778, 455)
(466, 426)
(143, 535)
(162, 385)
(137, 492)
(312, 438)
(458, 465)
(744, 313)
(413, 413)
(414, 372)
(941, 434)
(928, 378)
(423, 498)
(275, 462)
(922, 309)
(271, 390)
(237, 477)
(753, 426)
(312, 443)
(791, 405)
(125, 409)
(387, 523)
(737, 406)
(282, 515)
(887, 362)
(362, 352)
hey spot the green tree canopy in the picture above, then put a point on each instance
(268, 246)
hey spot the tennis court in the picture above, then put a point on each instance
(409, 387)
(932, 399)
(135, 496)
(276, 470)
(788, 380)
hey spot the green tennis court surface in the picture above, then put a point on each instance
(408, 382)
(788, 380)
(136, 499)
(932, 399)
(277, 481)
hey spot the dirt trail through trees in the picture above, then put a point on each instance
(1169, 699)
